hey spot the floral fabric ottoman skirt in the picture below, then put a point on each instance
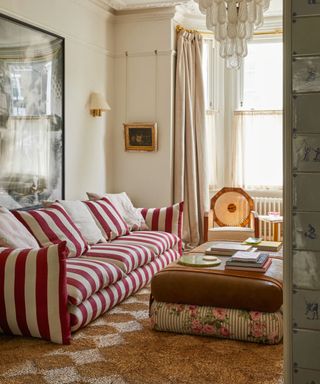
(236, 324)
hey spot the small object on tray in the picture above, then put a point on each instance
(227, 248)
(210, 258)
(253, 240)
(197, 260)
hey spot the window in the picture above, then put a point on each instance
(244, 117)
(259, 120)
(262, 79)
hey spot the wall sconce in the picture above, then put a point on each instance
(98, 104)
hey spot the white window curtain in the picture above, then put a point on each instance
(190, 172)
(257, 150)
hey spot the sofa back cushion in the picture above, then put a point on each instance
(108, 218)
(83, 219)
(13, 234)
(53, 225)
(131, 215)
(33, 293)
(167, 219)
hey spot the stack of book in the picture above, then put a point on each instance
(269, 246)
(227, 248)
(249, 261)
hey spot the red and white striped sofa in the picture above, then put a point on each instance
(83, 285)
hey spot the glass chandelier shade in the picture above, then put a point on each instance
(233, 23)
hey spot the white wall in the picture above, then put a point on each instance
(89, 35)
(144, 93)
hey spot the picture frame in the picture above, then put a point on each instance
(140, 137)
(31, 115)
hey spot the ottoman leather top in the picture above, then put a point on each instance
(219, 287)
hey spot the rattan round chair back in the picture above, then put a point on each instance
(232, 207)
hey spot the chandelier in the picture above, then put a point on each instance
(233, 22)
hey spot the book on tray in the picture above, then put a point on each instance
(270, 246)
(227, 248)
(249, 261)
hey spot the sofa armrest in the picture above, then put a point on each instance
(33, 293)
(208, 223)
(166, 219)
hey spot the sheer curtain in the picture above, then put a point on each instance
(257, 149)
(190, 151)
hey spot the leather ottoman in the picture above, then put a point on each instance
(214, 301)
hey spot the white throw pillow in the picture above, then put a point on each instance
(131, 215)
(13, 234)
(83, 219)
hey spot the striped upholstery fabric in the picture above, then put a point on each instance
(86, 277)
(107, 218)
(157, 242)
(53, 225)
(13, 234)
(168, 219)
(228, 323)
(33, 294)
(107, 298)
(127, 256)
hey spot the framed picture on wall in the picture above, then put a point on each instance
(31, 115)
(140, 137)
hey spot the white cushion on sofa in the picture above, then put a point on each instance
(131, 215)
(13, 234)
(83, 219)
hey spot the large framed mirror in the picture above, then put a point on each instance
(31, 115)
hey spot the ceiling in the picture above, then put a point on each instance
(275, 5)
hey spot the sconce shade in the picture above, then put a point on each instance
(98, 104)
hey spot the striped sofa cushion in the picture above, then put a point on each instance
(157, 242)
(53, 225)
(167, 219)
(109, 297)
(127, 256)
(13, 234)
(33, 294)
(107, 218)
(86, 277)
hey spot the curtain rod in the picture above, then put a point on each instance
(277, 31)
(259, 112)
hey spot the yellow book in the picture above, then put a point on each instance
(271, 246)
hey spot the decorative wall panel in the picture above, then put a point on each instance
(306, 227)
(306, 267)
(303, 139)
(301, 28)
(306, 349)
(306, 187)
(306, 153)
(305, 376)
(306, 113)
(306, 74)
(305, 7)
(306, 309)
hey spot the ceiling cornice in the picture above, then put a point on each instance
(121, 4)
(150, 14)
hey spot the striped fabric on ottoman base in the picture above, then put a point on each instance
(100, 302)
(228, 323)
